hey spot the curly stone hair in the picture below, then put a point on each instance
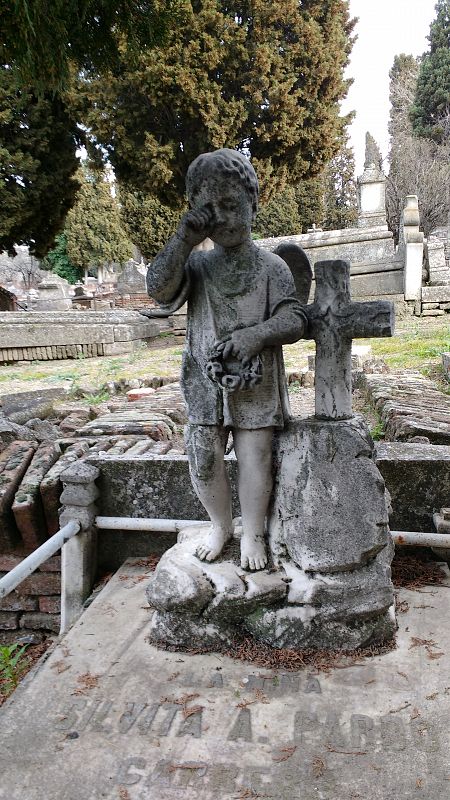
(223, 162)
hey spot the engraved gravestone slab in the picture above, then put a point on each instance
(109, 716)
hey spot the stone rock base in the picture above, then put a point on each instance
(202, 605)
(294, 628)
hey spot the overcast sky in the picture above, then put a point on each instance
(386, 28)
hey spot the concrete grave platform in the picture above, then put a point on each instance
(109, 716)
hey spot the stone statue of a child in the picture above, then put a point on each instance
(242, 307)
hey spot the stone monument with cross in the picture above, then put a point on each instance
(327, 584)
(328, 526)
(315, 550)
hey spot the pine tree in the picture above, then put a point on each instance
(431, 110)
(38, 140)
(265, 78)
(95, 235)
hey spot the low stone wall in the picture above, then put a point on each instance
(435, 300)
(376, 268)
(48, 335)
(151, 485)
(417, 477)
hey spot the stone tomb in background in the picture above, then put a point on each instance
(53, 335)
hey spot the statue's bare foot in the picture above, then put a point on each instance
(253, 552)
(214, 543)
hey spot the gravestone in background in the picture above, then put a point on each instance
(130, 280)
(53, 294)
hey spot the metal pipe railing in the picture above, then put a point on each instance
(26, 567)
(145, 524)
(411, 538)
(421, 539)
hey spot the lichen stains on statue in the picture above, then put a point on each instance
(242, 307)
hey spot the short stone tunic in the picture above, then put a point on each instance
(221, 299)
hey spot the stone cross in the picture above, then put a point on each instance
(334, 321)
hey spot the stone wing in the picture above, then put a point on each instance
(298, 263)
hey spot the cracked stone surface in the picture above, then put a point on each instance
(330, 511)
(202, 605)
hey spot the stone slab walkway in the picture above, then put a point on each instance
(109, 716)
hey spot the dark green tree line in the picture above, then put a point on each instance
(266, 78)
(38, 141)
(430, 112)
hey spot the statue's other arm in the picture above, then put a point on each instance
(166, 273)
(287, 322)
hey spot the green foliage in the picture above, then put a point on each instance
(377, 432)
(44, 39)
(12, 666)
(292, 210)
(148, 222)
(59, 262)
(279, 217)
(310, 202)
(340, 197)
(266, 78)
(38, 139)
(93, 228)
(96, 399)
(328, 200)
(430, 113)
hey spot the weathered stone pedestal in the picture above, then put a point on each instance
(328, 584)
(329, 535)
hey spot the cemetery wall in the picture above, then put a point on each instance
(36, 604)
(376, 268)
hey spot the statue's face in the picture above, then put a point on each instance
(231, 208)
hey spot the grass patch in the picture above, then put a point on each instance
(13, 663)
(377, 432)
(418, 344)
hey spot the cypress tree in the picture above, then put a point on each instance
(340, 196)
(95, 235)
(265, 78)
(417, 165)
(38, 140)
(58, 261)
(431, 110)
(44, 40)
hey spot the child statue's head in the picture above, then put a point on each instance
(223, 177)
